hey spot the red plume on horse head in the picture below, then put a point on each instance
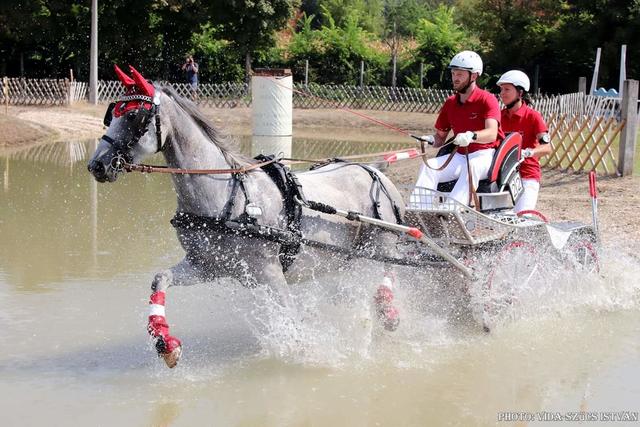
(124, 79)
(138, 83)
(142, 84)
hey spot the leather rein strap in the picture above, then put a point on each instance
(473, 195)
(164, 169)
(423, 154)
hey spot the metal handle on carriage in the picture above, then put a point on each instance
(593, 192)
(410, 231)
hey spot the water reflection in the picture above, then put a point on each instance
(57, 223)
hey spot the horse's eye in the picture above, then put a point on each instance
(131, 115)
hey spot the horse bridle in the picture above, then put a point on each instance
(140, 125)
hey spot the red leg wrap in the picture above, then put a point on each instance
(159, 328)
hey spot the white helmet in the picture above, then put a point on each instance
(467, 60)
(516, 78)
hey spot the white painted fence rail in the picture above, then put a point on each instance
(21, 91)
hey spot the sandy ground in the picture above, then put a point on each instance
(562, 196)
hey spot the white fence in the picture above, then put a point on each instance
(228, 95)
(19, 91)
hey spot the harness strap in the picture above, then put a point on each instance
(164, 169)
(380, 187)
(187, 221)
(228, 207)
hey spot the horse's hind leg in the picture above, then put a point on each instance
(167, 346)
(385, 308)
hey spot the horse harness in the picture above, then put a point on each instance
(142, 120)
(290, 238)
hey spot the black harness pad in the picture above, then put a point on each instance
(290, 188)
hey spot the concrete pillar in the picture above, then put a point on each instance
(272, 111)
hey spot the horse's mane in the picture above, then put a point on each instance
(225, 143)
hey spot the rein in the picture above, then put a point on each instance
(130, 167)
(164, 169)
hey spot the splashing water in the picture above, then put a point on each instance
(330, 321)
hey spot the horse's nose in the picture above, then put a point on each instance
(97, 169)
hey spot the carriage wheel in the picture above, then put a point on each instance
(583, 257)
(513, 271)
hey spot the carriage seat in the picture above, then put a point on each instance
(505, 161)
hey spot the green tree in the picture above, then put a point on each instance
(439, 39)
(251, 24)
(335, 52)
(369, 13)
(585, 26)
(219, 60)
(513, 33)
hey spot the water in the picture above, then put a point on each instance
(76, 262)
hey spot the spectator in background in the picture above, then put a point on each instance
(191, 68)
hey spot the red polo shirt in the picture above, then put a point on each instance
(470, 116)
(529, 123)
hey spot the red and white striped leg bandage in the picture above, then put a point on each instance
(158, 327)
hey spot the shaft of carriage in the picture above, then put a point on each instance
(413, 232)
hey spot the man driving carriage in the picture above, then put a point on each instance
(473, 115)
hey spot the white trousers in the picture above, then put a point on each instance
(529, 197)
(479, 161)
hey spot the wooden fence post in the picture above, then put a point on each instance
(627, 149)
(69, 97)
(5, 93)
(582, 85)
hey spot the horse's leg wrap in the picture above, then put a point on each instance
(383, 299)
(158, 327)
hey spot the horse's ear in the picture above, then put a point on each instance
(143, 85)
(126, 80)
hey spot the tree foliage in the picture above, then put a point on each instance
(335, 52)
(558, 37)
(439, 38)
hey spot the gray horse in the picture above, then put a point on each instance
(231, 224)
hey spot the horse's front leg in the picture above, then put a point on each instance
(167, 346)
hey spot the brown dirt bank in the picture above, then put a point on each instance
(84, 121)
(15, 132)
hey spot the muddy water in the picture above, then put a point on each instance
(76, 262)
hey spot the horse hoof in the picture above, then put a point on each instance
(390, 318)
(171, 358)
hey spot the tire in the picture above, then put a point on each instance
(510, 276)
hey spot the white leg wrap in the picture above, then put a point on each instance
(156, 310)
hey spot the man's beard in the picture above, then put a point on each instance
(462, 88)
